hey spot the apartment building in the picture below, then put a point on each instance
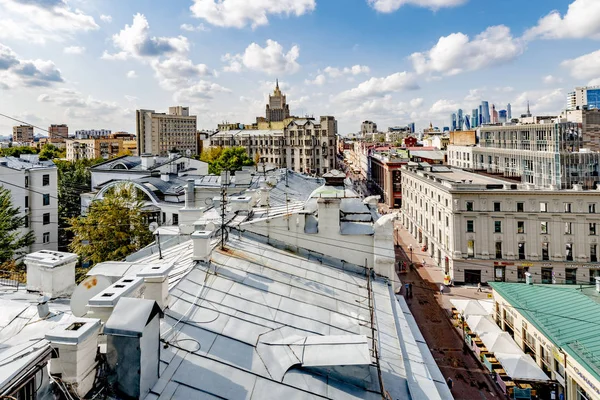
(481, 229)
(92, 133)
(305, 145)
(89, 149)
(33, 186)
(160, 133)
(555, 154)
(58, 133)
(22, 133)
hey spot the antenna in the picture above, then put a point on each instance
(223, 198)
(88, 288)
(153, 227)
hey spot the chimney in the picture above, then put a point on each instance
(263, 195)
(133, 347)
(225, 178)
(202, 248)
(328, 210)
(243, 177)
(241, 203)
(164, 176)
(42, 307)
(74, 353)
(190, 193)
(147, 161)
(102, 305)
(156, 279)
(52, 273)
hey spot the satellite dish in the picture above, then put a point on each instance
(209, 201)
(188, 152)
(88, 288)
(210, 226)
(153, 226)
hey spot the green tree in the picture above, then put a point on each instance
(113, 228)
(13, 243)
(16, 151)
(50, 152)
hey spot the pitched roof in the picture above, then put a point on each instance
(563, 314)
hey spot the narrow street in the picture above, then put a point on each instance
(471, 380)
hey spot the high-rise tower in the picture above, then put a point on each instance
(277, 110)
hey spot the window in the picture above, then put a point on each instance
(46, 237)
(521, 273)
(497, 226)
(569, 251)
(46, 200)
(520, 226)
(571, 276)
(593, 253)
(544, 227)
(520, 207)
(521, 247)
(447, 222)
(470, 249)
(568, 228)
(592, 228)
(175, 219)
(470, 226)
(26, 221)
(543, 207)
(45, 180)
(469, 206)
(594, 273)
(592, 208)
(26, 201)
(547, 275)
(567, 207)
(26, 181)
(46, 219)
(545, 253)
(498, 249)
(496, 206)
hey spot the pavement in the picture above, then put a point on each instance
(432, 312)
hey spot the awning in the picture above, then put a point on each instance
(481, 323)
(471, 307)
(521, 366)
(499, 341)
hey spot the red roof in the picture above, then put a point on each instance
(426, 148)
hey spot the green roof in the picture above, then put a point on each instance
(566, 316)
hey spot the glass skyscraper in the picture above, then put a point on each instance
(453, 122)
(461, 120)
(502, 115)
(475, 118)
(593, 98)
(508, 112)
(485, 113)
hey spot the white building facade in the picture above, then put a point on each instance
(33, 186)
(483, 229)
(92, 133)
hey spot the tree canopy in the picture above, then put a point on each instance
(16, 151)
(13, 242)
(231, 159)
(50, 152)
(113, 228)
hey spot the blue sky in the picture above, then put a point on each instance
(92, 63)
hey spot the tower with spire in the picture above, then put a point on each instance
(277, 110)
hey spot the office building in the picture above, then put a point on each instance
(475, 118)
(467, 124)
(368, 128)
(33, 187)
(553, 154)
(460, 121)
(584, 96)
(453, 122)
(411, 125)
(502, 116)
(485, 113)
(160, 133)
(58, 133)
(494, 115)
(277, 110)
(481, 229)
(22, 133)
(508, 112)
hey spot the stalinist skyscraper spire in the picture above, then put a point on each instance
(277, 110)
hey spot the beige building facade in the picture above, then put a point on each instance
(159, 133)
(483, 229)
(58, 133)
(22, 133)
(90, 149)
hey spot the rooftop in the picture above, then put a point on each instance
(564, 314)
(26, 162)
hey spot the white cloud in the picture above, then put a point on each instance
(416, 103)
(334, 72)
(135, 41)
(586, 66)
(444, 106)
(132, 74)
(194, 28)
(271, 59)
(549, 101)
(582, 20)
(202, 90)
(319, 80)
(239, 13)
(74, 50)
(475, 95)
(40, 20)
(379, 87)
(594, 82)
(16, 72)
(456, 53)
(106, 18)
(550, 79)
(177, 73)
(387, 6)
(78, 106)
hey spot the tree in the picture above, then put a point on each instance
(113, 228)
(16, 151)
(13, 243)
(50, 152)
(231, 159)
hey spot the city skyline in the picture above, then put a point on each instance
(223, 64)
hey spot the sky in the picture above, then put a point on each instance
(92, 63)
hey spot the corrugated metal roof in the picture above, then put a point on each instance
(563, 314)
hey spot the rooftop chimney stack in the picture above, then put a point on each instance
(202, 248)
(52, 273)
(147, 161)
(156, 279)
